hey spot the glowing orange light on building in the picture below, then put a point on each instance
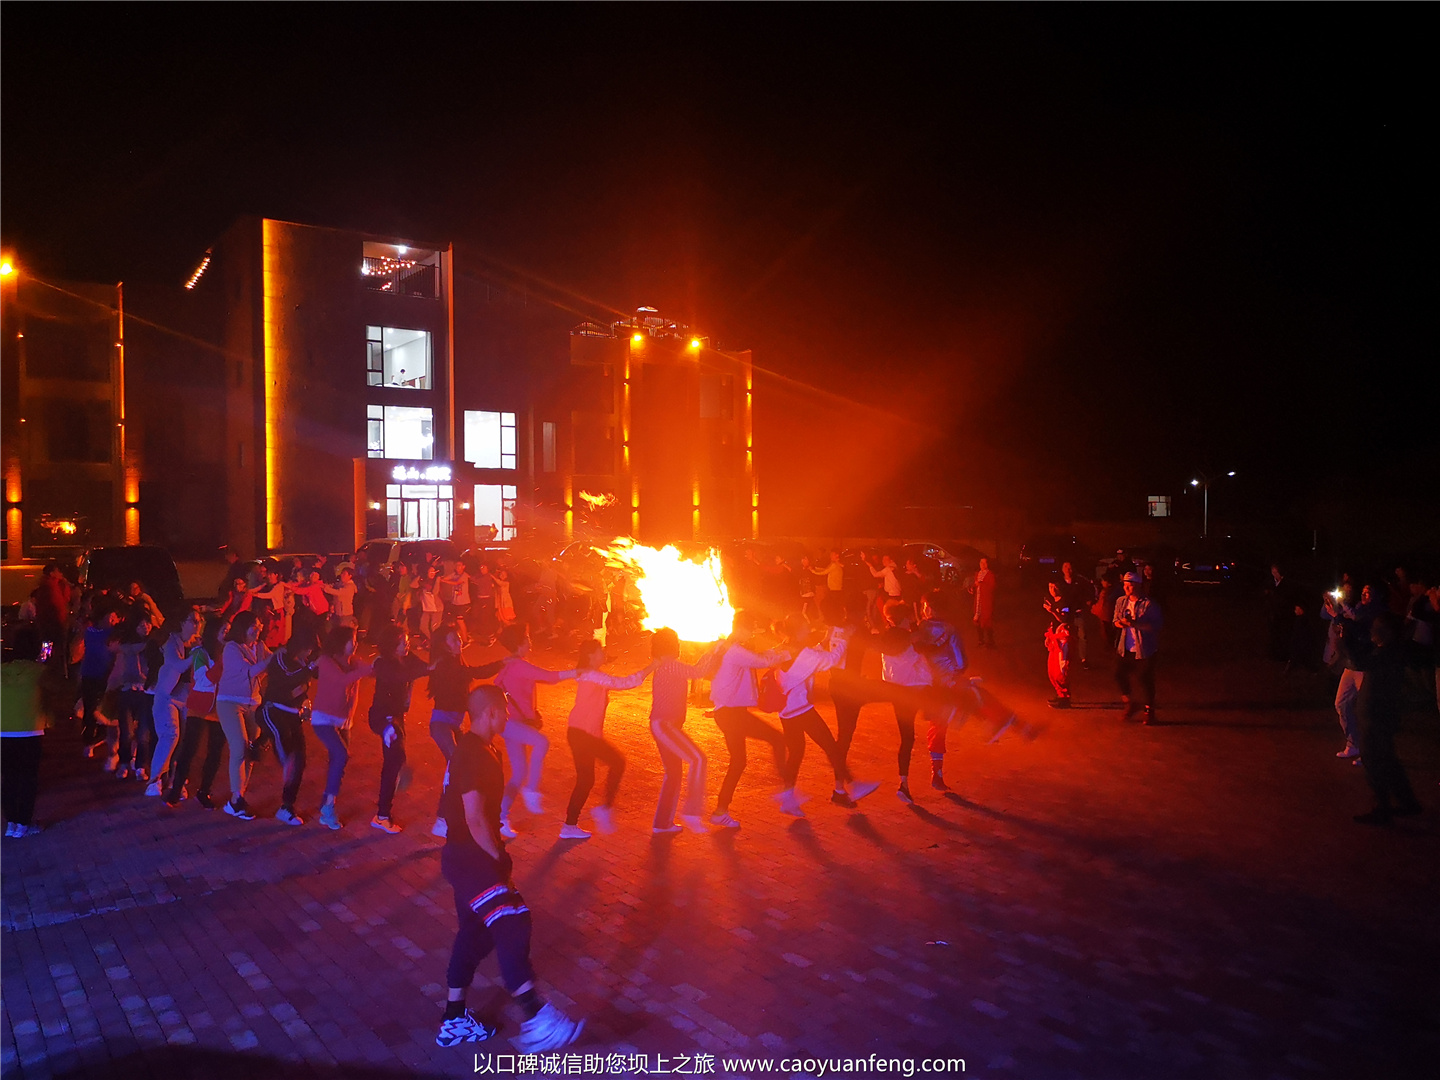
(694, 343)
(269, 286)
(637, 338)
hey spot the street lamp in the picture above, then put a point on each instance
(1203, 483)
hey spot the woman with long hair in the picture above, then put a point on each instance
(243, 660)
(172, 688)
(338, 676)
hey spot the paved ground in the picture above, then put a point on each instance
(1190, 900)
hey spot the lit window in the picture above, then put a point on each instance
(495, 507)
(396, 357)
(490, 439)
(398, 431)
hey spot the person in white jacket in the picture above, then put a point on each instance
(798, 718)
(735, 692)
(242, 661)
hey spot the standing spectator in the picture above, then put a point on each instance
(983, 586)
(1285, 604)
(1379, 710)
(1138, 620)
(24, 716)
(53, 598)
(1057, 644)
(1349, 643)
(1078, 594)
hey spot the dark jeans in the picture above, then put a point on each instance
(20, 777)
(337, 749)
(492, 916)
(390, 766)
(809, 723)
(1383, 769)
(288, 734)
(136, 718)
(92, 689)
(1136, 678)
(738, 724)
(197, 728)
(905, 721)
(588, 749)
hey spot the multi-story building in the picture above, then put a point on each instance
(311, 388)
(64, 415)
(661, 440)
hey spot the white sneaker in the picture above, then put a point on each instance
(667, 830)
(549, 1029)
(604, 819)
(724, 820)
(693, 822)
(858, 789)
(790, 803)
(288, 816)
(507, 830)
(439, 828)
(463, 1029)
(573, 832)
(534, 801)
(153, 790)
(1350, 751)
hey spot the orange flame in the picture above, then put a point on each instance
(595, 502)
(689, 597)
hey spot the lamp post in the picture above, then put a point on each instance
(1203, 483)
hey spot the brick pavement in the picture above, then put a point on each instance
(1109, 901)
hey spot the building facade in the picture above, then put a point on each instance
(309, 388)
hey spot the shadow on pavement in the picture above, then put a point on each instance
(185, 1062)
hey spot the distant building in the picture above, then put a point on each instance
(309, 389)
(61, 379)
(661, 443)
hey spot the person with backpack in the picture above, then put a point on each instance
(396, 671)
(525, 744)
(670, 690)
(799, 719)
(283, 705)
(585, 731)
(201, 723)
(237, 695)
(735, 690)
(337, 677)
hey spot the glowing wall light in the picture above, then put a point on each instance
(270, 285)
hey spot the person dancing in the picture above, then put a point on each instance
(396, 671)
(798, 717)
(525, 745)
(491, 913)
(735, 692)
(669, 691)
(585, 733)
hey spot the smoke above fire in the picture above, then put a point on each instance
(687, 595)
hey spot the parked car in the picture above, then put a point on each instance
(1042, 556)
(952, 561)
(117, 567)
(327, 564)
(377, 553)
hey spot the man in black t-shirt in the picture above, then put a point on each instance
(492, 914)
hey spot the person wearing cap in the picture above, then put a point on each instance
(1138, 620)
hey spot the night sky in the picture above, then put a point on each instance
(1066, 254)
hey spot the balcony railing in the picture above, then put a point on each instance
(399, 277)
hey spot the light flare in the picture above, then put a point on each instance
(686, 595)
(597, 502)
